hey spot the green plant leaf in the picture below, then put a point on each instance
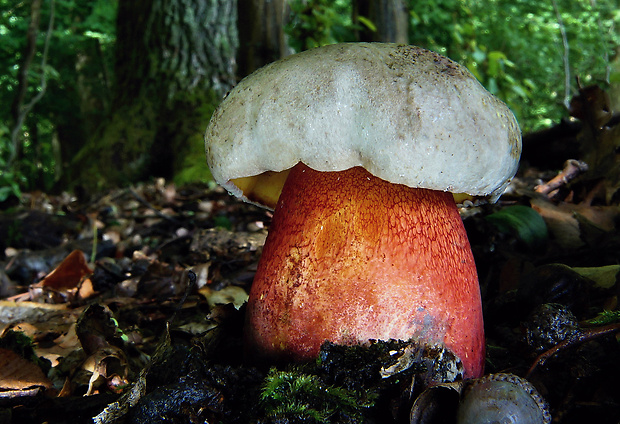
(367, 23)
(603, 276)
(523, 222)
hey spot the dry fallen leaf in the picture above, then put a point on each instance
(17, 373)
(229, 294)
(62, 347)
(69, 273)
(574, 224)
(560, 221)
(107, 368)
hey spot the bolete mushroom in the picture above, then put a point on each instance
(357, 148)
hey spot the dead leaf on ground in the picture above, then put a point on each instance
(575, 224)
(229, 294)
(69, 273)
(108, 370)
(17, 373)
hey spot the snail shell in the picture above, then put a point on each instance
(503, 399)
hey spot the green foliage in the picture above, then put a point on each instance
(514, 48)
(441, 25)
(317, 23)
(9, 186)
(9, 182)
(523, 222)
(79, 61)
(529, 34)
(299, 397)
(605, 318)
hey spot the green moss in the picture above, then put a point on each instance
(189, 127)
(23, 345)
(145, 140)
(193, 166)
(296, 396)
(118, 153)
(605, 318)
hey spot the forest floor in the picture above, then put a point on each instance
(129, 306)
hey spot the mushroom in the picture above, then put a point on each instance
(358, 148)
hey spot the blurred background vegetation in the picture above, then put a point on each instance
(104, 93)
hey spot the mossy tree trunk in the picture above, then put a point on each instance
(174, 62)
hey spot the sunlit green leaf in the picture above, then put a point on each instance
(368, 23)
(523, 222)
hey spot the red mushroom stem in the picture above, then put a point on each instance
(351, 257)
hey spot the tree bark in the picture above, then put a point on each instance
(261, 33)
(390, 17)
(174, 62)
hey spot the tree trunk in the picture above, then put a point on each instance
(390, 17)
(174, 61)
(261, 33)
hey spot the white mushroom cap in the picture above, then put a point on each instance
(406, 114)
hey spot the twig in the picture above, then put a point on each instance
(151, 207)
(582, 337)
(572, 169)
(46, 48)
(25, 110)
(191, 277)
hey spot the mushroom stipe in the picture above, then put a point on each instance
(351, 257)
